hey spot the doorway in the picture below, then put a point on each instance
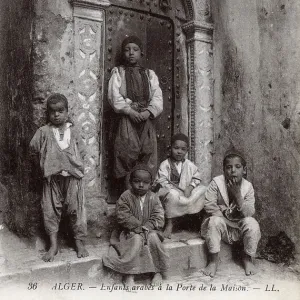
(157, 35)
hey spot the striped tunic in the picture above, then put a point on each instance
(134, 251)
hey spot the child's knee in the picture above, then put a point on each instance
(250, 224)
(215, 222)
(162, 193)
(173, 194)
(199, 190)
(153, 238)
(137, 241)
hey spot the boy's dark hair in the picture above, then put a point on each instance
(138, 167)
(231, 153)
(180, 137)
(56, 98)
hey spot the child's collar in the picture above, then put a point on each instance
(177, 162)
(128, 66)
(67, 125)
(138, 196)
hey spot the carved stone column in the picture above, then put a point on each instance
(89, 18)
(200, 64)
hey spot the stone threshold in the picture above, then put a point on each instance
(187, 253)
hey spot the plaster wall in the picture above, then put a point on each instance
(55, 69)
(46, 56)
(55, 72)
(256, 103)
(4, 23)
(23, 210)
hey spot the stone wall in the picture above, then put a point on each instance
(23, 206)
(256, 91)
(4, 22)
(65, 39)
(55, 46)
(257, 85)
(56, 71)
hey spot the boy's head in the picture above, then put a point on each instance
(57, 109)
(179, 146)
(132, 50)
(141, 179)
(234, 165)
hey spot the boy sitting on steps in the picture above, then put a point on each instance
(181, 192)
(229, 201)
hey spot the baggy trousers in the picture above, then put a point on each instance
(64, 194)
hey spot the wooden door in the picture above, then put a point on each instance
(157, 35)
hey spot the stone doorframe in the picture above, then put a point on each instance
(89, 30)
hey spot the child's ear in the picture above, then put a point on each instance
(142, 53)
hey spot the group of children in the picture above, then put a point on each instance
(145, 218)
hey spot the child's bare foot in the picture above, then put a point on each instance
(80, 249)
(49, 256)
(157, 279)
(212, 267)
(250, 269)
(128, 280)
(168, 229)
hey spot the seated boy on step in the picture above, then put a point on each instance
(229, 202)
(181, 192)
(136, 247)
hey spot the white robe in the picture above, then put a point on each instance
(173, 199)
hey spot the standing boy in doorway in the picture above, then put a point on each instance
(135, 95)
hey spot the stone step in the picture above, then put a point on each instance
(186, 255)
(191, 255)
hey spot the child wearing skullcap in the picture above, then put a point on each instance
(136, 247)
(181, 192)
(135, 95)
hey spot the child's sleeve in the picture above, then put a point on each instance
(248, 209)
(125, 217)
(155, 106)
(211, 200)
(156, 220)
(163, 175)
(36, 142)
(196, 177)
(115, 99)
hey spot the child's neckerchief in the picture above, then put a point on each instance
(174, 176)
(141, 96)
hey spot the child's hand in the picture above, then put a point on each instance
(234, 189)
(145, 234)
(145, 114)
(145, 228)
(187, 192)
(135, 116)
